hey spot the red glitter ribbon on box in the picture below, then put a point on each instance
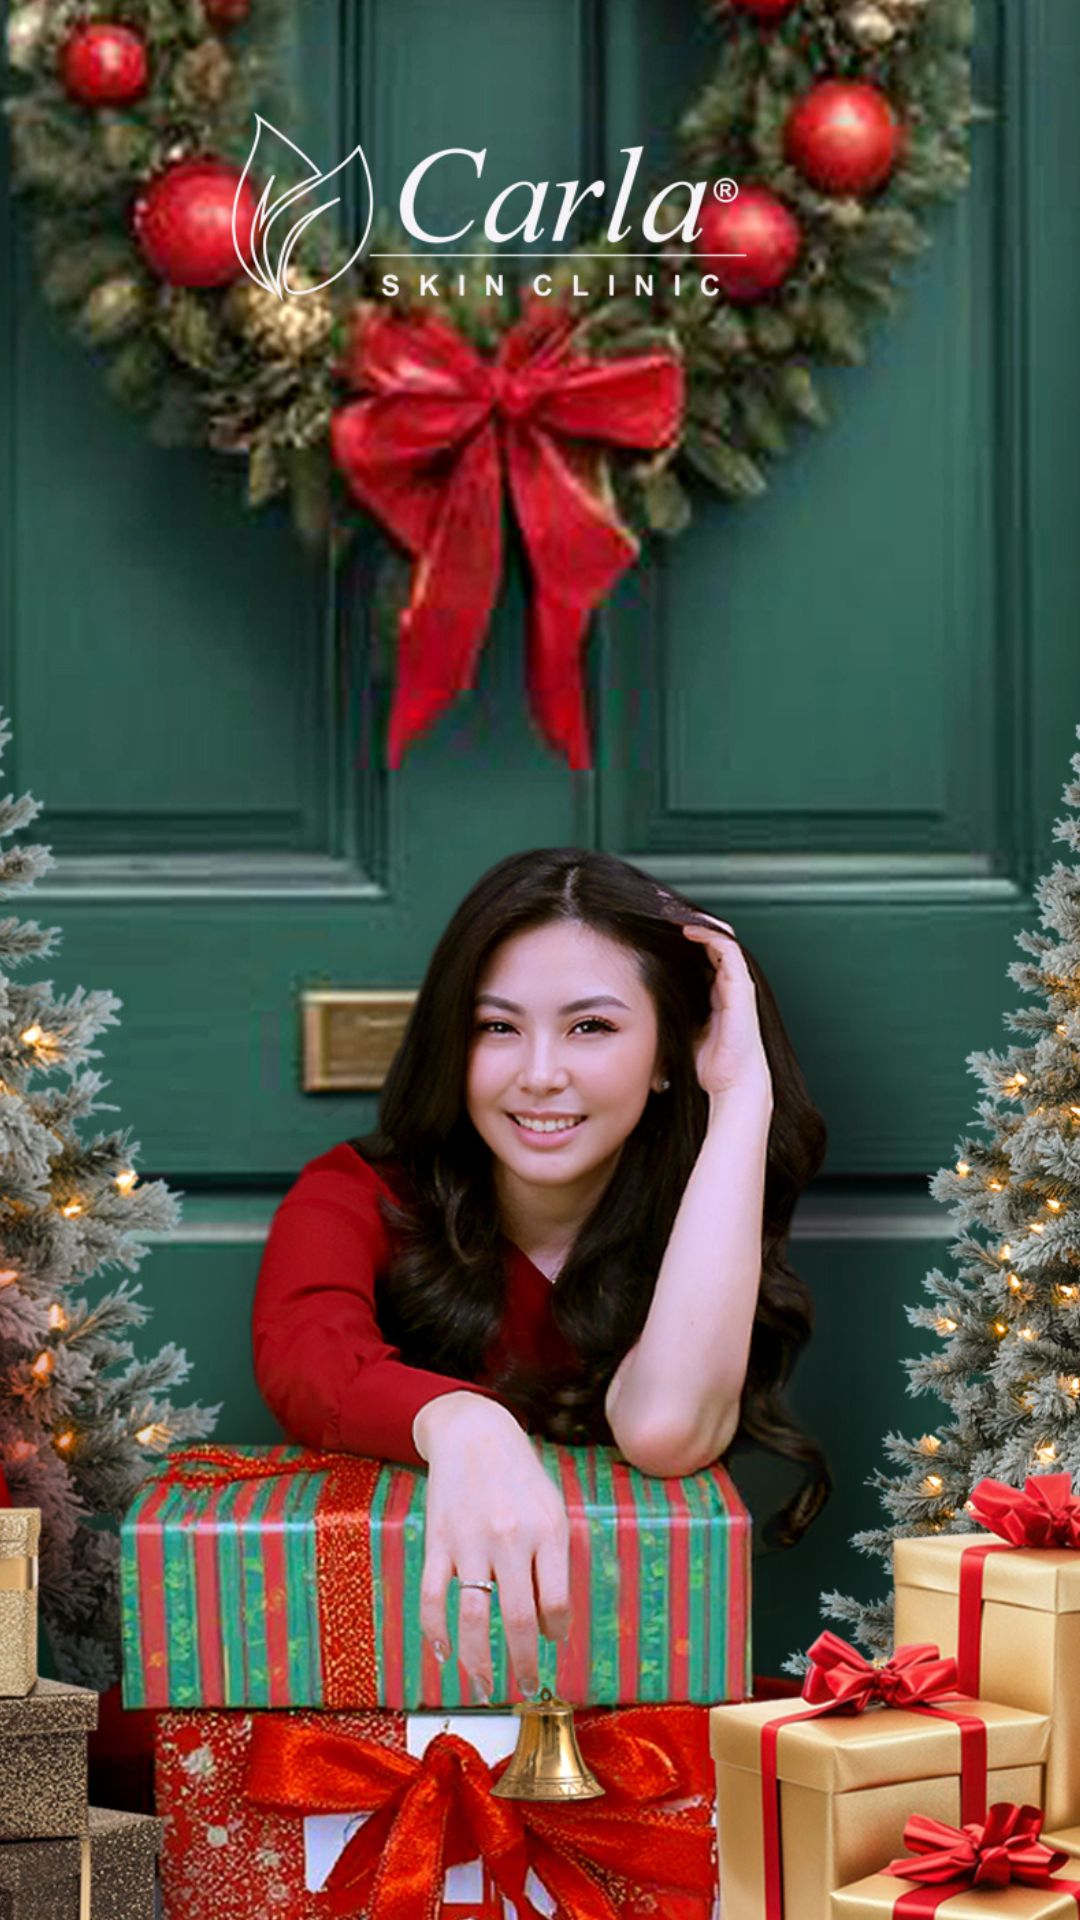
(1005, 1851)
(438, 1811)
(1044, 1514)
(347, 1631)
(840, 1680)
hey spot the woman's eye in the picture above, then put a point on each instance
(592, 1020)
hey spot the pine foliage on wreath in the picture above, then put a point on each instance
(234, 368)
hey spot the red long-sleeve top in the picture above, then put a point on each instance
(321, 1362)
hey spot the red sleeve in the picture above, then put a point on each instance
(321, 1363)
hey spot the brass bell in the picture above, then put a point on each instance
(546, 1764)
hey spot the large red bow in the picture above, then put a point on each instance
(1007, 1848)
(424, 450)
(839, 1673)
(438, 1811)
(1045, 1514)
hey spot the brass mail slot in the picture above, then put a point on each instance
(351, 1036)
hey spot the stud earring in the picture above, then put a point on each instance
(664, 1085)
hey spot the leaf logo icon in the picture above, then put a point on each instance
(262, 269)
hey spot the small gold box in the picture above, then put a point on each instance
(1030, 1639)
(20, 1529)
(43, 1775)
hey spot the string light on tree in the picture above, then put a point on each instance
(57, 1318)
(42, 1367)
(72, 1208)
(1046, 1454)
(126, 1180)
(963, 1169)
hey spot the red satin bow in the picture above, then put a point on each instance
(424, 450)
(438, 1811)
(1045, 1514)
(839, 1673)
(1006, 1849)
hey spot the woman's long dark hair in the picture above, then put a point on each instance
(441, 1302)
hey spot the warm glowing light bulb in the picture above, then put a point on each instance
(1075, 1110)
(1036, 1226)
(1066, 1293)
(1061, 1027)
(930, 1442)
(126, 1180)
(1025, 1333)
(1046, 1453)
(1005, 1252)
(1000, 1329)
(963, 1168)
(1055, 1206)
(946, 1326)
(31, 1035)
(144, 1436)
(933, 1483)
(57, 1318)
(43, 1366)
(1072, 1384)
(995, 1186)
(1020, 1079)
(154, 1435)
(1014, 1283)
(73, 1207)
(65, 1440)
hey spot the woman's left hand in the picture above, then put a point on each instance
(731, 1053)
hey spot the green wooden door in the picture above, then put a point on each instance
(840, 717)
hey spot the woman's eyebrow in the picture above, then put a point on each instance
(574, 1006)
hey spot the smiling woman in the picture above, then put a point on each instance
(582, 1098)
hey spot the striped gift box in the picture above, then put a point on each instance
(301, 1588)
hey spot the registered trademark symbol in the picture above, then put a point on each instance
(725, 189)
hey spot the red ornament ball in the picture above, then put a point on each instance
(765, 9)
(758, 227)
(226, 13)
(104, 64)
(184, 220)
(844, 136)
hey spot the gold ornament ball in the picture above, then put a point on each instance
(280, 329)
(114, 307)
(871, 26)
(24, 31)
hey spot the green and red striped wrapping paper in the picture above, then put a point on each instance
(303, 1590)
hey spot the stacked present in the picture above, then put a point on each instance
(312, 1755)
(60, 1859)
(962, 1748)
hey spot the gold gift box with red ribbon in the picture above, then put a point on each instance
(849, 1766)
(998, 1869)
(1019, 1607)
(847, 1785)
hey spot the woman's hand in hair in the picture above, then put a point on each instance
(732, 1052)
(493, 1512)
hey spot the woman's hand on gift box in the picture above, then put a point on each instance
(493, 1513)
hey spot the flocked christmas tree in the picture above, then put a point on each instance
(1008, 1321)
(80, 1415)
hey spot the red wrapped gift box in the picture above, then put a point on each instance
(227, 1858)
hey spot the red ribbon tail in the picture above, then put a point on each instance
(454, 588)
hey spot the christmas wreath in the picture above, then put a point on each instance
(838, 120)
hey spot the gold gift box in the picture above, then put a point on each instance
(1030, 1638)
(1067, 1842)
(876, 1897)
(20, 1528)
(43, 1771)
(848, 1785)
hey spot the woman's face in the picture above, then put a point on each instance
(563, 1027)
